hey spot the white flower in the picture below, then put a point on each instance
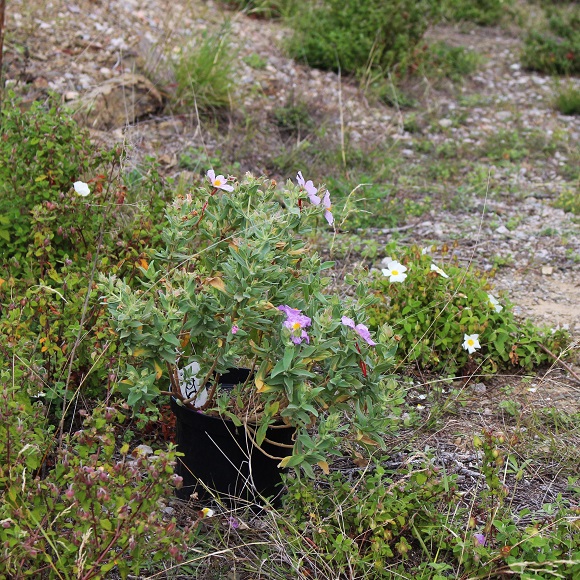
(471, 342)
(81, 188)
(493, 302)
(439, 271)
(219, 182)
(207, 512)
(395, 271)
(426, 250)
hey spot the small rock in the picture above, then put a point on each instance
(479, 388)
(502, 230)
(118, 101)
(445, 123)
(547, 270)
(71, 96)
(407, 152)
(503, 115)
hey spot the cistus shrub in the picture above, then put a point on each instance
(354, 36)
(436, 304)
(42, 153)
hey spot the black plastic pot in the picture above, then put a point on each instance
(220, 456)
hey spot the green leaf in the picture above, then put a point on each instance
(288, 357)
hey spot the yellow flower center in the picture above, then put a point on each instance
(395, 272)
(470, 342)
(217, 182)
(296, 325)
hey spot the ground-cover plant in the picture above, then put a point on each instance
(84, 509)
(532, 545)
(444, 317)
(236, 285)
(367, 524)
(483, 12)
(356, 37)
(568, 201)
(204, 72)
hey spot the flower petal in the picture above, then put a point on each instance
(81, 188)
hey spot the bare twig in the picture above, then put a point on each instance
(559, 360)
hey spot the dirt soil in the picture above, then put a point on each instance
(72, 47)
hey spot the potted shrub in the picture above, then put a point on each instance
(235, 321)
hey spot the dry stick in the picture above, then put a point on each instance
(559, 360)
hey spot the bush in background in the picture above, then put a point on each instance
(354, 37)
(555, 47)
(482, 12)
(42, 153)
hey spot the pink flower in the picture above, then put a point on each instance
(219, 182)
(234, 329)
(327, 207)
(309, 187)
(360, 329)
(480, 539)
(296, 322)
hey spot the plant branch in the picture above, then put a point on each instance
(558, 359)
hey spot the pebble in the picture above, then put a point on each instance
(479, 388)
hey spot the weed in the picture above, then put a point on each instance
(294, 118)
(255, 61)
(204, 72)
(567, 99)
(441, 60)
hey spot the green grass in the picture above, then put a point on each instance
(205, 73)
(567, 99)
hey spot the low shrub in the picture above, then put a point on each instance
(84, 509)
(554, 48)
(483, 12)
(354, 37)
(42, 153)
(432, 310)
